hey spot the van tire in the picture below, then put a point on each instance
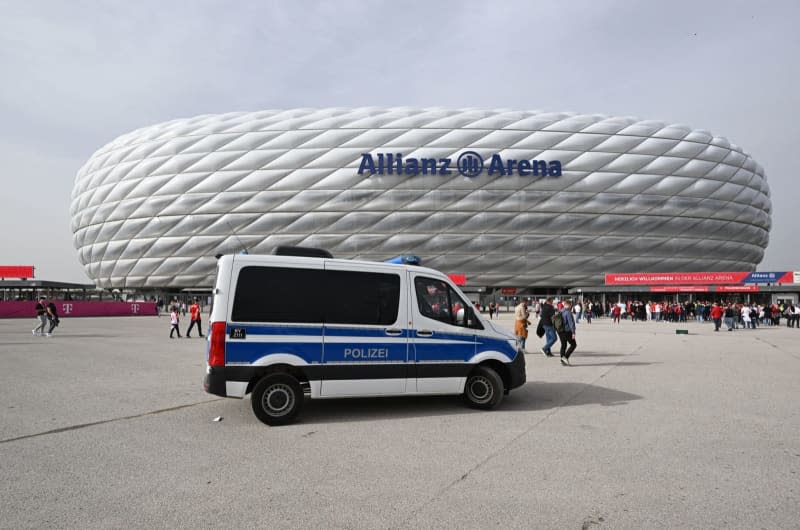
(277, 399)
(483, 389)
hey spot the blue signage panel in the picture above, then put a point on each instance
(768, 277)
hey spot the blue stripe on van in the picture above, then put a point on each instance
(251, 329)
(501, 345)
(465, 346)
(248, 352)
(360, 332)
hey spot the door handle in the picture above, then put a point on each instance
(394, 332)
(424, 333)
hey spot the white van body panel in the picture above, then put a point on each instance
(279, 358)
(236, 389)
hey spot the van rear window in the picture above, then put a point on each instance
(313, 296)
(362, 298)
(272, 294)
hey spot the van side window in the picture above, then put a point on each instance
(276, 294)
(439, 301)
(361, 297)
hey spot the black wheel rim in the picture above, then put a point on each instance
(278, 400)
(480, 389)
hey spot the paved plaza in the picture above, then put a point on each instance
(106, 425)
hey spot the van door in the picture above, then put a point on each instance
(365, 345)
(270, 317)
(441, 341)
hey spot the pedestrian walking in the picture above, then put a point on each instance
(615, 313)
(730, 314)
(174, 320)
(194, 315)
(52, 316)
(41, 314)
(546, 321)
(716, 316)
(521, 323)
(565, 327)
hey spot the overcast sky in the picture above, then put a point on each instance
(75, 75)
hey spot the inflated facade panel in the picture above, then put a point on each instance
(153, 207)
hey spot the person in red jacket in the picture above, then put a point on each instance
(194, 314)
(716, 316)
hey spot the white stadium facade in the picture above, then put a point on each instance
(507, 198)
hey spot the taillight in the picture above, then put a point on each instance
(216, 350)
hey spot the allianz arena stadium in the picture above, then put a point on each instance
(507, 198)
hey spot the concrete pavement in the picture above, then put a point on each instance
(106, 426)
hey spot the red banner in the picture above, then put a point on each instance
(458, 279)
(679, 289)
(508, 290)
(16, 271)
(738, 289)
(71, 308)
(676, 278)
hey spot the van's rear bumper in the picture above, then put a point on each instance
(516, 371)
(214, 381)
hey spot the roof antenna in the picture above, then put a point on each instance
(244, 248)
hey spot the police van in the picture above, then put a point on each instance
(286, 327)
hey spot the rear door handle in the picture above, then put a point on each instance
(394, 332)
(424, 333)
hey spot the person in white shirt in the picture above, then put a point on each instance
(746, 318)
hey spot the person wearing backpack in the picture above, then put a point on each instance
(565, 327)
(546, 321)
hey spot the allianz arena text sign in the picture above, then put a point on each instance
(699, 278)
(468, 164)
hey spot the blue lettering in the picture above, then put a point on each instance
(389, 163)
(428, 164)
(510, 166)
(539, 167)
(380, 163)
(393, 163)
(366, 163)
(496, 165)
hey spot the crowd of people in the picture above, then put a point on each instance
(557, 319)
(742, 315)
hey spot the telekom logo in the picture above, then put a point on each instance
(134, 308)
(66, 308)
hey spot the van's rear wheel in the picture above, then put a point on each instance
(277, 399)
(484, 388)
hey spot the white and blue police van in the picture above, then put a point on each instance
(283, 327)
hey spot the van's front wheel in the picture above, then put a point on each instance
(277, 399)
(484, 388)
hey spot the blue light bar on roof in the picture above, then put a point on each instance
(405, 260)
